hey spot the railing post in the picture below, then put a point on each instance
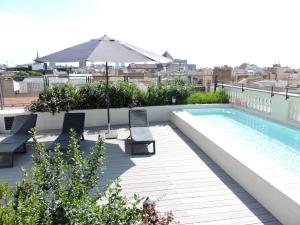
(1, 95)
(216, 83)
(88, 79)
(159, 80)
(222, 84)
(243, 88)
(272, 91)
(286, 93)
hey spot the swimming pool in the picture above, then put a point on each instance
(261, 155)
(246, 132)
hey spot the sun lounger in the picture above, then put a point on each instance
(139, 131)
(71, 121)
(16, 142)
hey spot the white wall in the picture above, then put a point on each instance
(98, 117)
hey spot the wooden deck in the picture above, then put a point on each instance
(180, 175)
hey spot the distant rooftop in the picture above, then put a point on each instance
(167, 55)
(142, 66)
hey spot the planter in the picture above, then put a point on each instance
(98, 117)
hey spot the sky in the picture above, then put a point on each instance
(205, 32)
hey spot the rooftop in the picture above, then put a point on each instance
(180, 175)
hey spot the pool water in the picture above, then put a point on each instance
(270, 140)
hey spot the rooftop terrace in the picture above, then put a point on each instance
(182, 176)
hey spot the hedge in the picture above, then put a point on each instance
(21, 75)
(67, 97)
(207, 98)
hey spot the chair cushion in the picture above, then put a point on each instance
(16, 138)
(8, 148)
(141, 134)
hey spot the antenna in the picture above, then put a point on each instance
(37, 54)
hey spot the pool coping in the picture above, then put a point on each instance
(275, 189)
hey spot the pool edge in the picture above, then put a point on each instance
(281, 204)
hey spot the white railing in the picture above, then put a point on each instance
(280, 106)
(294, 111)
(258, 103)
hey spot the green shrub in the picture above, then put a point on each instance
(55, 99)
(207, 98)
(34, 73)
(180, 90)
(63, 189)
(65, 97)
(20, 76)
(162, 94)
(91, 96)
(124, 94)
(56, 191)
(157, 95)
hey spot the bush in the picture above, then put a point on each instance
(55, 99)
(207, 98)
(124, 94)
(180, 90)
(157, 95)
(34, 73)
(162, 94)
(65, 97)
(91, 96)
(64, 189)
(57, 190)
(20, 76)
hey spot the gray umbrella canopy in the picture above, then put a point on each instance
(104, 49)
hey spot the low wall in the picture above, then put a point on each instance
(269, 191)
(98, 117)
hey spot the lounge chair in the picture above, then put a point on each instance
(139, 130)
(74, 121)
(16, 142)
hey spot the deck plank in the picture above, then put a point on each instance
(180, 176)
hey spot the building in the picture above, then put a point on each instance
(245, 70)
(178, 65)
(277, 72)
(204, 78)
(144, 68)
(172, 68)
(183, 65)
(223, 73)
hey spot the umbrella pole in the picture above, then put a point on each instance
(109, 134)
(107, 98)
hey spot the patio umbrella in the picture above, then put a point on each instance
(104, 49)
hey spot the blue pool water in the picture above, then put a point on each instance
(270, 140)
